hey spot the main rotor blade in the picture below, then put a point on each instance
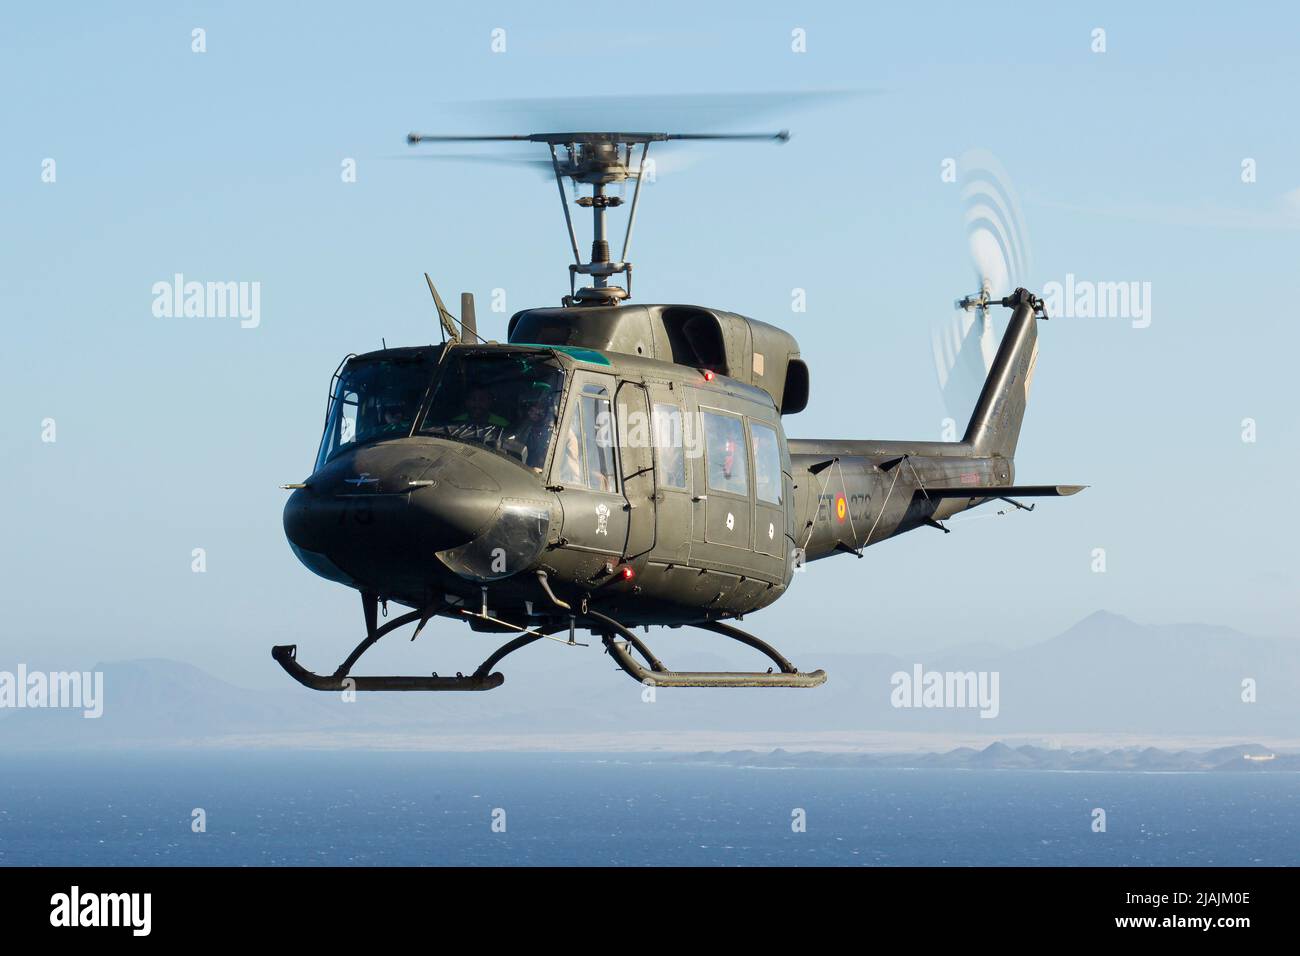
(543, 165)
(688, 111)
(780, 136)
(596, 136)
(697, 115)
(670, 161)
(414, 138)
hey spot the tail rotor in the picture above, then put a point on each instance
(965, 343)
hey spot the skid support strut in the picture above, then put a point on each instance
(482, 679)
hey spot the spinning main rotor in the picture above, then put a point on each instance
(598, 159)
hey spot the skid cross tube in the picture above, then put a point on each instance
(660, 676)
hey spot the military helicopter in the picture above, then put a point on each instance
(614, 466)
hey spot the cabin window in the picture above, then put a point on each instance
(670, 445)
(503, 401)
(724, 441)
(767, 463)
(348, 417)
(373, 400)
(569, 457)
(598, 427)
(586, 456)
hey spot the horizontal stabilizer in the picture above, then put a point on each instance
(1003, 491)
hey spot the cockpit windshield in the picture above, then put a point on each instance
(374, 399)
(504, 401)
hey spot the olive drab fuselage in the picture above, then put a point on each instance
(612, 467)
(651, 542)
(700, 508)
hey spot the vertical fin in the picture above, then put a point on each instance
(994, 427)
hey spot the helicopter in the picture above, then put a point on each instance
(614, 466)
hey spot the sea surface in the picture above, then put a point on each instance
(367, 808)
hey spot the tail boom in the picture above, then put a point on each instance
(855, 493)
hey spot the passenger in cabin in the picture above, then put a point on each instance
(536, 426)
(729, 459)
(571, 453)
(724, 439)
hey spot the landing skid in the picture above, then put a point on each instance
(660, 676)
(285, 656)
(785, 674)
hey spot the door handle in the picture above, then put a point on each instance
(699, 497)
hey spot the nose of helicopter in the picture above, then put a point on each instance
(394, 517)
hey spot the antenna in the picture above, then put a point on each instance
(596, 159)
(444, 317)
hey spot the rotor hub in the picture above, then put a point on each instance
(598, 159)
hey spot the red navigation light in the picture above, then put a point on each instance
(708, 375)
(627, 574)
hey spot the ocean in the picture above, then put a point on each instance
(406, 808)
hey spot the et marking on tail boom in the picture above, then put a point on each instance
(614, 465)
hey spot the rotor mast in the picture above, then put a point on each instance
(598, 159)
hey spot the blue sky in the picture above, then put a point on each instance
(174, 434)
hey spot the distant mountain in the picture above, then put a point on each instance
(1244, 758)
(146, 701)
(1106, 675)
(155, 701)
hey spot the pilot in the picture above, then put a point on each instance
(478, 421)
(478, 408)
(389, 416)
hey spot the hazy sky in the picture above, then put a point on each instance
(225, 165)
